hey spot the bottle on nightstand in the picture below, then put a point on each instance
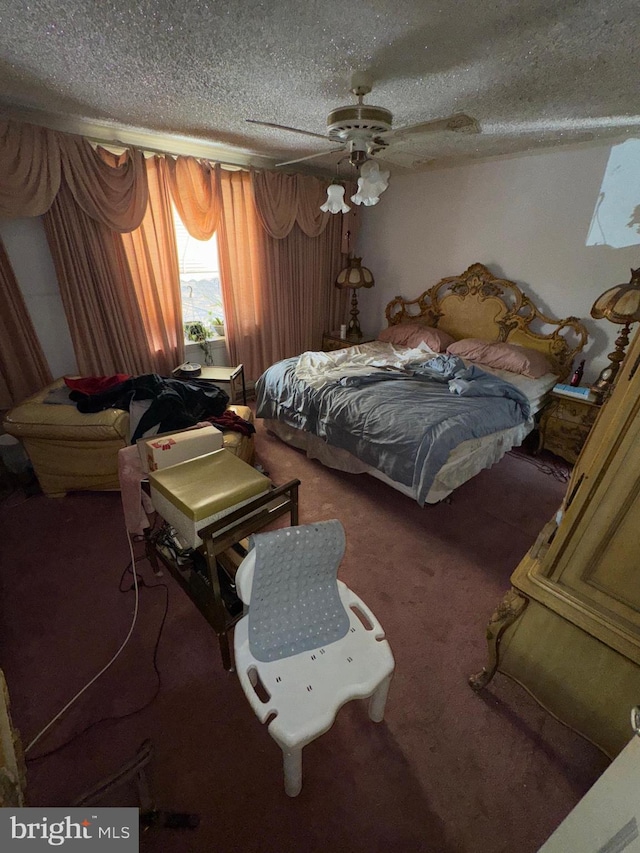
(576, 379)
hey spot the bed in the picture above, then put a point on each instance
(452, 384)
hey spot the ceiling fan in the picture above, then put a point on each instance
(362, 130)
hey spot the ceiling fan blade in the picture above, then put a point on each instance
(284, 127)
(310, 157)
(395, 160)
(596, 123)
(458, 123)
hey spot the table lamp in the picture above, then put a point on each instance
(620, 304)
(354, 275)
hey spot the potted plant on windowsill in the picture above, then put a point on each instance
(217, 326)
(197, 332)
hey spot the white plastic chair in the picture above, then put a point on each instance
(309, 671)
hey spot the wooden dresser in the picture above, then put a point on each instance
(569, 629)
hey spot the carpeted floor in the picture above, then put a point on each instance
(448, 770)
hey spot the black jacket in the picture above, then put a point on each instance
(176, 404)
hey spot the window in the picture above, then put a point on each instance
(199, 280)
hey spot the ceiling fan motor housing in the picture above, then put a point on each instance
(344, 122)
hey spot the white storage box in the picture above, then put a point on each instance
(167, 449)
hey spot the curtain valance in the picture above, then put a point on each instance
(282, 200)
(30, 169)
(195, 188)
(112, 190)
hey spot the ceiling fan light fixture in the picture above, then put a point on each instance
(371, 184)
(335, 202)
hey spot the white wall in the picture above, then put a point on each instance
(26, 245)
(526, 218)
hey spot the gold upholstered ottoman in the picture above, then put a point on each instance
(72, 451)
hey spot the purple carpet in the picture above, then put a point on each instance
(448, 770)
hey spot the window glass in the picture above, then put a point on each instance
(199, 283)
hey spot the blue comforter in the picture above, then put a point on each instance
(404, 423)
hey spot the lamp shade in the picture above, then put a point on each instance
(621, 303)
(355, 275)
(335, 202)
(371, 184)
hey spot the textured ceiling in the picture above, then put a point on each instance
(533, 74)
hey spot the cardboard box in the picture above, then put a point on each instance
(161, 451)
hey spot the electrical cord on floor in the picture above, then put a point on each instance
(559, 470)
(137, 583)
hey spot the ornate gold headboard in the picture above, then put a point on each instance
(476, 304)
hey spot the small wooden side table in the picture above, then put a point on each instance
(565, 424)
(332, 341)
(204, 589)
(224, 375)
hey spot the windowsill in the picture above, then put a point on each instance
(215, 342)
(218, 347)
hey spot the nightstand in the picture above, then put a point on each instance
(332, 341)
(565, 424)
(224, 375)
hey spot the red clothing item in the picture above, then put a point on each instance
(229, 420)
(95, 384)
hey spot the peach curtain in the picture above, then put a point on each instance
(110, 189)
(23, 367)
(33, 161)
(302, 300)
(276, 200)
(312, 193)
(303, 253)
(243, 276)
(30, 169)
(195, 187)
(279, 256)
(121, 292)
(283, 200)
(152, 259)
(280, 291)
(97, 291)
(209, 198)
(122, 304)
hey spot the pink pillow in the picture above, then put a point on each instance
(412, 334)
(517, 359)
